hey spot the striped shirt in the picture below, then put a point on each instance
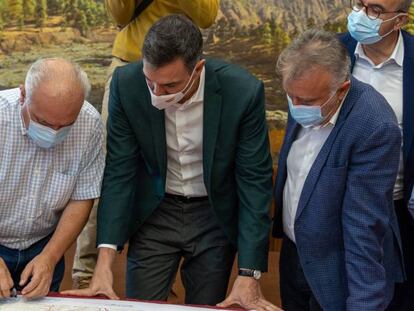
(36, 184)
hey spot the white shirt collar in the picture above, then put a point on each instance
(397, 55)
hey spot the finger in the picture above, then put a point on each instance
(268, 305)
(109, 293)
(5, 285)
(27, 272)
(260, 305)
(34, 283)
(229, 301)
(41, 290)
(87, 292)
(5, 292)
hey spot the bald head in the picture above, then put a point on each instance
(55, 89)
(62, 77)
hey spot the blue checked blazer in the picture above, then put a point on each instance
(346, 229)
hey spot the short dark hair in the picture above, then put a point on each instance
(172, 37)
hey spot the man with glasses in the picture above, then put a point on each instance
(333, 192)
(382, 55)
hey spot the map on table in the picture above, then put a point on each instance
(76, 304)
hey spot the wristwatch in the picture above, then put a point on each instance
(256, 274)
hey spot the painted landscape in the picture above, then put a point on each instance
(251, 33)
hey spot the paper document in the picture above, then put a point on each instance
(77, 304)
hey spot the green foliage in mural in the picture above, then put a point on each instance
(14, 12)
(410, 26)
(29, 9)
(81, 14)
(41, 12)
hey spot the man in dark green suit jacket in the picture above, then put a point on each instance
(188, 174)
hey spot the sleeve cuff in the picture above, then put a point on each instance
(112, 246)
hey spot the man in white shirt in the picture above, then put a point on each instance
(188, 174)
(51, 167)
(382, 55)
(333, 192)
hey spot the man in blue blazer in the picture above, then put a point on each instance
(333, 192)
(383, 56)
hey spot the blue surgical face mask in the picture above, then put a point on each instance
(46, 137)
(364, 29)
(307, 116)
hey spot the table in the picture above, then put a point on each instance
(69, 303)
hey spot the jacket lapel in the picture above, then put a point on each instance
(211, 121)
(322, 157)
(408, 94)
(157, 121)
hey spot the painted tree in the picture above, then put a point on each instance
(15, 11)
(410, 26)
(55, 7)
(281, 38)
(41, 12)
(29, 9)
(267, 37)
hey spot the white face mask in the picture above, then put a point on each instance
(162, 102)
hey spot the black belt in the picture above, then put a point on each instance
(184, 199)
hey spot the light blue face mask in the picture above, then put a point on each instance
(364, 29)
(307, 116)
(46, 137)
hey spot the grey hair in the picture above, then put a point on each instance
(172, 37)
(406, 5)
(315, 49)
(39, 72)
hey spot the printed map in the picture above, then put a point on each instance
(72, 304)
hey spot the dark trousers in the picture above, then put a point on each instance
(16, 261)
(180, 230)
(294, 288)
(404, 292)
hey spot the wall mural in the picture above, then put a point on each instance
(251, 33)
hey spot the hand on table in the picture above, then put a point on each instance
(40, 273)
(101, 284)
(246, 293)
(6, 281)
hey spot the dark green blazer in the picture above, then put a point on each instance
(237, 163)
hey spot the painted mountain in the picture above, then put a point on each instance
(290, 14)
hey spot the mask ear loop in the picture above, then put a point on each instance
(388, 20)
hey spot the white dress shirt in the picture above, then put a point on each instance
(302, 155)
(184, 138)
(184, 135)
(387, 79)
(37, 184)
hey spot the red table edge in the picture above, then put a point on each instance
(53, 294)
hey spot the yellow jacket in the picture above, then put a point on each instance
(128, 42)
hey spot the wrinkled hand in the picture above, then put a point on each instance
(40, 272)
(246, 293)
(6, 281)
(101, 284)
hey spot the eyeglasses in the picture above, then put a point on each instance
(372, 11)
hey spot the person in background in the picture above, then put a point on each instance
(333, 191)
(134, 17)
(188, 175)
(51, 167)
(382, 55)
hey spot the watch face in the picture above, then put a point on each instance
(257, 274)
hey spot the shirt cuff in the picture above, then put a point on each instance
(112, 246)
